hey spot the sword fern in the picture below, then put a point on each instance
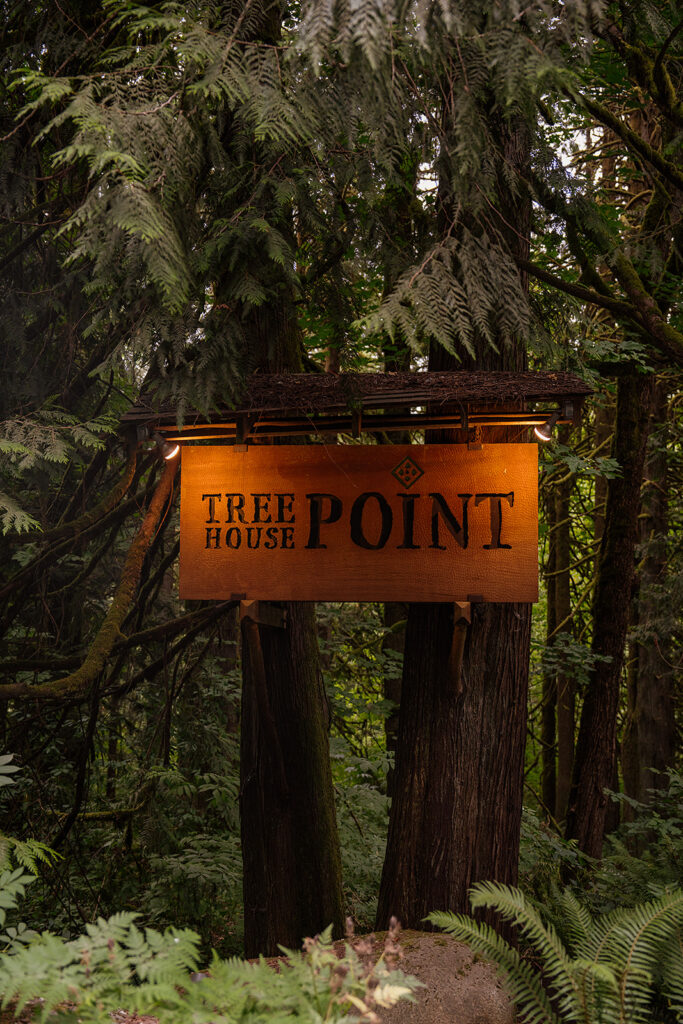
(625, 967)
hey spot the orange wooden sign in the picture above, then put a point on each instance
(360, 523)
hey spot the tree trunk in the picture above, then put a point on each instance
(549, 686)
(290, 850)
(457, 804)
(565, 685)
(456, 813)
(596, 742)
(649, 743)
(394, 613)
(290, 846)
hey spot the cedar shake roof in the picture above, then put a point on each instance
(308, 394)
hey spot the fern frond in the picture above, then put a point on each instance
(576, 921)
(513, 906)
(522, 982)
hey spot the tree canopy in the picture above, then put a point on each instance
(191, 192)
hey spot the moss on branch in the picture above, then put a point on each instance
(92, 516)
(77, 684)
(55, 551)
(634, 141)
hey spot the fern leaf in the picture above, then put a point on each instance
(522, 982)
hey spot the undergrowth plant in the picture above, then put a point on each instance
(625, 967)
(116, 964)
(641, 860)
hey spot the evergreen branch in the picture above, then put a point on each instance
(142, 638)
(153, 581)
(668, 339)
(578, 291)
(23, 245)
(633, 141)
(42, 561)
(78, 683)
(173, 626)
(554, 201)
(209, 616)
(661, 75)
(643, 310)
(90, 518)
(651, 75)
(120, 814)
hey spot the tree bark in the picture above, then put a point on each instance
(456, 812)
(290, 850)
(596, 742)
(549, 686)
(649, 742)
(290, 846)
(457, 803)
(565, 685)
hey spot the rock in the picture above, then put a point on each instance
(459, 988)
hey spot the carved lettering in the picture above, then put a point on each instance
(441, 511)
(261, 505)
(496, 511)
(212, 506)
(387, 519)
(254, 532)
(213, 537)
(234, 505)
(408, 509)
(283, 507)
(316, 517)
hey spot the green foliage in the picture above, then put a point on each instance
(644, 857)
(545, 858)
(574, 659)
(615, 968)
(19, 865)
(48, 438)
(362, 817)
(116, 965)
(168, 174)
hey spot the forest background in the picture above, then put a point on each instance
(194, 191)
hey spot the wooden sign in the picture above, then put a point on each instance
(360, 523)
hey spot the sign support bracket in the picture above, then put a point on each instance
(264, 613)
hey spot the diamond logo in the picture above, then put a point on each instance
(407, 472)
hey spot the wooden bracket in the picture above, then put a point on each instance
(463, 611)
(461, 620)
(474, 439)
(264, 613)
(243, 425)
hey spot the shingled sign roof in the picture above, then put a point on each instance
(271, 404)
